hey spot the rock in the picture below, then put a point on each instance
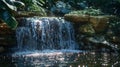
(96, 39)
(87, 29)
(2, 49)
(100, 23)
(77, 18)
(82, 15)
(20, 14)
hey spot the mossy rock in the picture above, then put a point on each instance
(99, 23)
(20, 14)
(89, 11)
(82, 15)
(95, 17)
(87, 29)
(77, 18)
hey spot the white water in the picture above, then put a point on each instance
(45, 42)
(45, 33)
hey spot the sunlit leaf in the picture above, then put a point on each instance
(18, 4)
(41, 1)
(7, 6)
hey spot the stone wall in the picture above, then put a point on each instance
(95, 32)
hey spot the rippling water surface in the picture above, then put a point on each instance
(60, 58)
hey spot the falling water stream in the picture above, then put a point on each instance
(45, 41)
(50, 42)
(45, 33)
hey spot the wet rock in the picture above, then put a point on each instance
(96, 39)
(101, 42)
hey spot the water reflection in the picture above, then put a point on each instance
(61, 59)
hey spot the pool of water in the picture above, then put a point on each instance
(60, 58)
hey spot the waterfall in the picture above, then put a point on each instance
(45, 33)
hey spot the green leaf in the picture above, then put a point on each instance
(6, 6)
(41, 1)
(18, 4)
(8, 18)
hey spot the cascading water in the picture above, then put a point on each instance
(45, 33)
(49, 42)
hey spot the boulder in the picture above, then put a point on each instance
(100, 23)
(77, 18)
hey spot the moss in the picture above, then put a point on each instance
(89, 11)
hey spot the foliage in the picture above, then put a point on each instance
(118, 0)
(106, 6)
(7, 9)
(34, 5)
(76, 3)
